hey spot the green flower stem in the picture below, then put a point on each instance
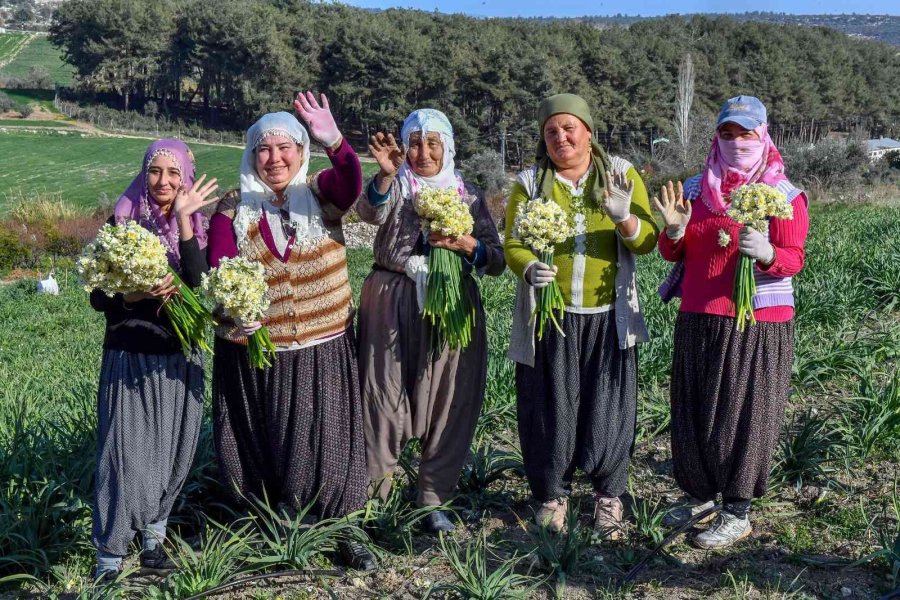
(446, 306)
(550, 300)
(743, 291)
(260, 348)
(189, 318)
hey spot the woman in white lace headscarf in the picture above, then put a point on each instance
(412, 389)
(292, 432)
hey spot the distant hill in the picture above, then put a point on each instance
(884, 28)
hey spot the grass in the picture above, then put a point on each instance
(33, 123)
(10, 44)
(85, 169)
(831, 519)
(38, 98)
(39, 52)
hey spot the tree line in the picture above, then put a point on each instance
(226, 62)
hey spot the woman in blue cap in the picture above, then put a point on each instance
(410, 388)
(729, 387)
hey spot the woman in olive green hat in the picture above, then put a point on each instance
(577, 392)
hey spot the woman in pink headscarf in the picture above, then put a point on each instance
(729, 387)
(150, 398)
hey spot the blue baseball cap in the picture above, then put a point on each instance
(746, 111)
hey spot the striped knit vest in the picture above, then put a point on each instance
(310, 296)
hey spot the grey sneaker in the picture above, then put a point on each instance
(552, 514)
(437, 521)
(724, 531)
(681, 514)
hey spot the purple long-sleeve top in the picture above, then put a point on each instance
(338, 186)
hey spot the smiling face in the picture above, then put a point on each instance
(278, 160)
(163, 180)
(568, 141)
(425, 153)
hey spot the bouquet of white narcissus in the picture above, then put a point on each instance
(541, 224)
(239, 287)
(127, 258)
(752, 206)
(446, 304)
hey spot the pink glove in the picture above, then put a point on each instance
(247, 328)
(321, 123)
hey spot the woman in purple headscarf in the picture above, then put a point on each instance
(150, 400)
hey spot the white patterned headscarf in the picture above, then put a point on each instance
(304, 209)
(428, 120)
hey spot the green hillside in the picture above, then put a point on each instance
(39, 52)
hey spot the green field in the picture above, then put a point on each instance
(32, 123)
(10, 43)
(833, 497)
(81, 169)
(38, 53)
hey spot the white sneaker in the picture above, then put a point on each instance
(681, 514)
(724, 531)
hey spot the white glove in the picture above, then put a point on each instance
(755, 245)
(617, 199)
(417, 269)
(539, 275)
(247, 328)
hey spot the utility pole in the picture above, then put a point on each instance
(503, 144)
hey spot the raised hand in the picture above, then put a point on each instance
(617, 197)
(389, 155)
(322, 126)
(190, 200)
(675, 212)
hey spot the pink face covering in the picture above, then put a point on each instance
(731, 164)
(743, 155)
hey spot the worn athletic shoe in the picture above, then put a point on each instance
(357, 556)
(552, 514)
(106, 576)
(681, 514)
(724, 531)
(609, 519)
(156, 560)
(438, 521)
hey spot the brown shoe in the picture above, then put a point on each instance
(609, 516)
(552, 514)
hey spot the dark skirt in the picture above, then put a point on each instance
(292, 431)
(728, 390)
(576, 407)
(149, 410)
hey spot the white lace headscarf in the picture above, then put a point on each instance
(304, 209)
(427, 120)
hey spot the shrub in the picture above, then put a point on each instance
(485, 169)
(6, 104)
(826, 165)
(12, 249)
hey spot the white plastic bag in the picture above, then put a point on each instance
(49, 285)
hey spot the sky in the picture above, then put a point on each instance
(577, 8)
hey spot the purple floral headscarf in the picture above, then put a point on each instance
(137, 204)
